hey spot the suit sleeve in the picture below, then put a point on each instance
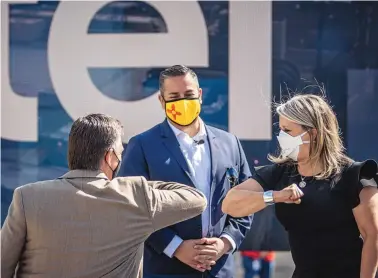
(170, 202)
(13, 236)
(237, 228)
(134, 164)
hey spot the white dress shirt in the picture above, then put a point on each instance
(198, 159)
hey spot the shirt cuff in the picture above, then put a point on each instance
(230, 239)
(172, 246)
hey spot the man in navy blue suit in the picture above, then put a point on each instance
(183, 149)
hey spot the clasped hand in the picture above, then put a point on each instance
(203, 253)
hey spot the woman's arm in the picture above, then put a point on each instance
(366, 215)
(244, 199)
(247, 198)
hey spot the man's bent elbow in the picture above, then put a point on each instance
(200, 203)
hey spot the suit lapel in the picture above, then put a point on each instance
(171, 143)
(214, 153)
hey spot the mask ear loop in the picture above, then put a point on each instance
(303, 133)
(119, 161)
(304, 142)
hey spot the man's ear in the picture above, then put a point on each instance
(200, 94)
(161, 99)
(108, 157)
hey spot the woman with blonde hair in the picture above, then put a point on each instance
(327, 202)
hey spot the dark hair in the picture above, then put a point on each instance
(176, 70)
(90, 137)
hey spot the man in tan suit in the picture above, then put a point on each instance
(89, 223)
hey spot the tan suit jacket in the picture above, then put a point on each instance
(84, 225)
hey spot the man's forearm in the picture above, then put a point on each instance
(172, 246)
(160, 239)
(229, 243)
(228, 246)
(369, 262)
(185, 196)
(172, 202)
(162, 185)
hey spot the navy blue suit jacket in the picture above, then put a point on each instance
(156, 155)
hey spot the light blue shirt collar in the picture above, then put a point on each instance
(200, 135)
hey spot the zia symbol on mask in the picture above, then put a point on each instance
(173, 112)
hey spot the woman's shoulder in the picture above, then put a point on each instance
(287, 166)
(357, 170)
(274, 168)
(357, 175)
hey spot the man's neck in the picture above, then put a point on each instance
(105, 168)
(191, 129)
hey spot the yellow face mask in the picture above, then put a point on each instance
(183, 111)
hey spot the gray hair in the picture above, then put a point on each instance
(90, 138)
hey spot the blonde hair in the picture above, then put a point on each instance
(313, 112)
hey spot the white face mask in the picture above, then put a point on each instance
(290, 144)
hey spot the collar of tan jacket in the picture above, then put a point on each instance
(73, 174)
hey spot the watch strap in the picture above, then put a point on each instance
(268, 197)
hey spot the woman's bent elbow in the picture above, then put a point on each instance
(226, 206)
(233, 212)
(229, 208)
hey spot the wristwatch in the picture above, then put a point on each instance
(268, 198)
